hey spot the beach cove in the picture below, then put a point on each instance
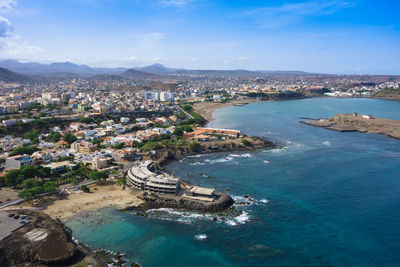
(328, 198)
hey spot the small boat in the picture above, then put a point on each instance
(267, 162)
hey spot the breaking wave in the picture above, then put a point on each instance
(247, 155)
(201, 237)
(197, 163)
(241, 219)
(220, 160)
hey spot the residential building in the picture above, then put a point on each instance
(18, 161)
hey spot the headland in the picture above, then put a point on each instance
(359, 123)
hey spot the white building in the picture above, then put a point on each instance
(166, 96)
(152, 95)
(18, 161)
(124, 120)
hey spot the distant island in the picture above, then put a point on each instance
(359, 123)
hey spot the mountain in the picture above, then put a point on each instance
(33, 68)
(135, 74)
(71, 70)
(10, 76)
(157, 68)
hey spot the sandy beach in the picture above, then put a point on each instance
(206, 108)
(101, 196)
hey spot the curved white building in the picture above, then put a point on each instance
(140, 177)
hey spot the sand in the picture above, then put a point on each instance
(101, 196)
(206, 108)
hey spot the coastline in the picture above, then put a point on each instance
(206, 109)
(79, 203)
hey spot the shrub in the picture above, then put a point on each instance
(187, 108)
(85, 189)
(246, 143)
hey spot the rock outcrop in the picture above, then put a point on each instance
(56, 248)
(241, 144)
(359, 123)
(153, 201)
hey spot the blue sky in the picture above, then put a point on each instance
(327, 36)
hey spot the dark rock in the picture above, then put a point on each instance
(221, 202)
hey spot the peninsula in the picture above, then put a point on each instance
(359, 123)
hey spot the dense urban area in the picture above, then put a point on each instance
(63, 127)
(70, 126)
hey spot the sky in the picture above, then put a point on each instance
(324, 36)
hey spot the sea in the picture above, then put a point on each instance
(324, 198)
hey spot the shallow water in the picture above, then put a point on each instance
(328, 198)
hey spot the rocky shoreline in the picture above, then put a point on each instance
(57, 247)
(154, 201)
(164, 157)
(359, 123)
(222, 200)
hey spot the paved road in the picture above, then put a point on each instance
(187, 114)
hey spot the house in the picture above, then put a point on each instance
(368, 117)
(83, 147)
(206, 134)
(40, 157)
(18, 161)
(60, 167)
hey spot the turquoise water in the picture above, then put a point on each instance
(327, 199)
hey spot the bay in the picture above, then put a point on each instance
(327, 198)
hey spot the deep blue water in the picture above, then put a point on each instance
(327, 199)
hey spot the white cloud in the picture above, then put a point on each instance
(15, 46)
(276, 16)
(5, 27)
(10, 43)
(7, 6)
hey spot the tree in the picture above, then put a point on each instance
(24, 150)
(31, 192)
(29, 183)
(49, 186)
(54, 137)
(97, 175)
(69, 138)
(179, 130)
(31, 135)
(13, 177)
(98, 141)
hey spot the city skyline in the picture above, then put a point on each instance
(341, 37)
